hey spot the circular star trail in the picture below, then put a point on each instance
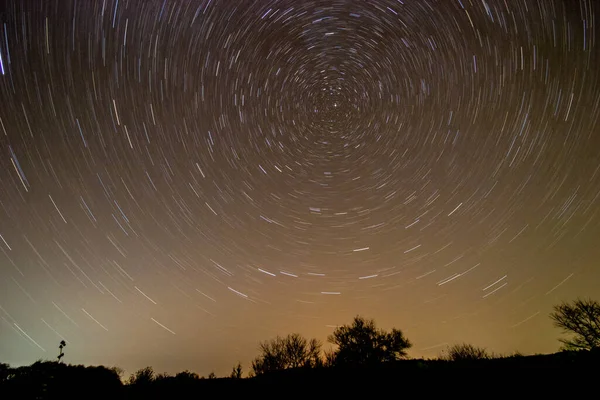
(182, 179)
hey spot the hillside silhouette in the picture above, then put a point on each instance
(366, 360)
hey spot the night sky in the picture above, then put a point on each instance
(183, 179)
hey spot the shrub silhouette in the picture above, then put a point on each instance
(363, 344)
(144, 376)
(582, 320)
(187, 376)
(162, 377)
(465, 352)
(292, 351)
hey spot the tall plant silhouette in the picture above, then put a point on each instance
(236, 373)
(292, 351)
(61, 354)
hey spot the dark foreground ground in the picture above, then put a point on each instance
(568, 375)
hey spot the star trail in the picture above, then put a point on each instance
(183, 179)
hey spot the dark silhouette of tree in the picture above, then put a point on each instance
(292, 351)
(61, 347)
(236, 373)
(582, 320)
(212, 375)
(144, 376)
(363, 344)
(465, 352)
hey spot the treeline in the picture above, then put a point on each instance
(362, 355)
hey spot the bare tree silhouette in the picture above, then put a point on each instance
(363, 344)
(292, 351)
(582, 320)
